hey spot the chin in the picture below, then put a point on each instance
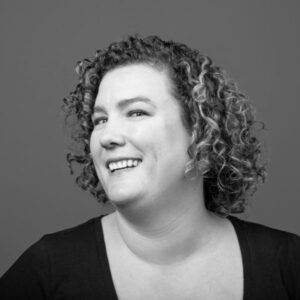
(121, 199)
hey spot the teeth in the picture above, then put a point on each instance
(123, 164)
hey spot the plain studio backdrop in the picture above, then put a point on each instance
(257, 42)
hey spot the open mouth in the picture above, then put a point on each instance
(123, 164)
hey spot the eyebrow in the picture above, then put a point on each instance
(125, 102)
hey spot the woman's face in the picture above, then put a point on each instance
(139, 143)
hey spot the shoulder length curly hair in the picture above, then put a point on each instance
(221, 120)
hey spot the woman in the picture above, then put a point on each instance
(168, 139)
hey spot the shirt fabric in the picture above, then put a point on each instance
(73, 264)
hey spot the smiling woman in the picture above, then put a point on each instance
(219, 118)
(169, 140)
(143, 124)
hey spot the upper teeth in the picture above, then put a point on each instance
(123, 164)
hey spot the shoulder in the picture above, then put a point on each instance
(64, 249)
(266, 246)
(84, 233)
(57, 263)
(270, 255)
(65, 245)
(259, 234)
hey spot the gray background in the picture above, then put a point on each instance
(257, 42)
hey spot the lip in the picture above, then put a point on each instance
(116, 159)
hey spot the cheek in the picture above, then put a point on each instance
(93, 144)
(167, 140)
(95, 152)
(174, 136)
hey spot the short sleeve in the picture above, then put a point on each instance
(29, 277)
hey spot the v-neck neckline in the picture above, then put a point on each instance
(245, 253)
(243, 244)
(110, 291)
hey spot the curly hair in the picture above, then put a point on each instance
(224, 150)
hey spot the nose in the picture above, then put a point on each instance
(112, 135)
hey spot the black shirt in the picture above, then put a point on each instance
(73, 264)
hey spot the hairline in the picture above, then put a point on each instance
(161, 66)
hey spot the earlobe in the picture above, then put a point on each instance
(192, 172)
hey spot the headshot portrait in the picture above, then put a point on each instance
(151, 172)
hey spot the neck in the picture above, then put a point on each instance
(169, 231)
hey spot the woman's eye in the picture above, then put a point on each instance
(99, 121)
(137, 113)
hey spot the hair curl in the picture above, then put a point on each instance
(221, 120)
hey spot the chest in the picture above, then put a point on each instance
(219, 276)
(206, 284)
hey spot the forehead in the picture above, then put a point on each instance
(134, 81)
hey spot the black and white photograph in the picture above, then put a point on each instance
(149, 150)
